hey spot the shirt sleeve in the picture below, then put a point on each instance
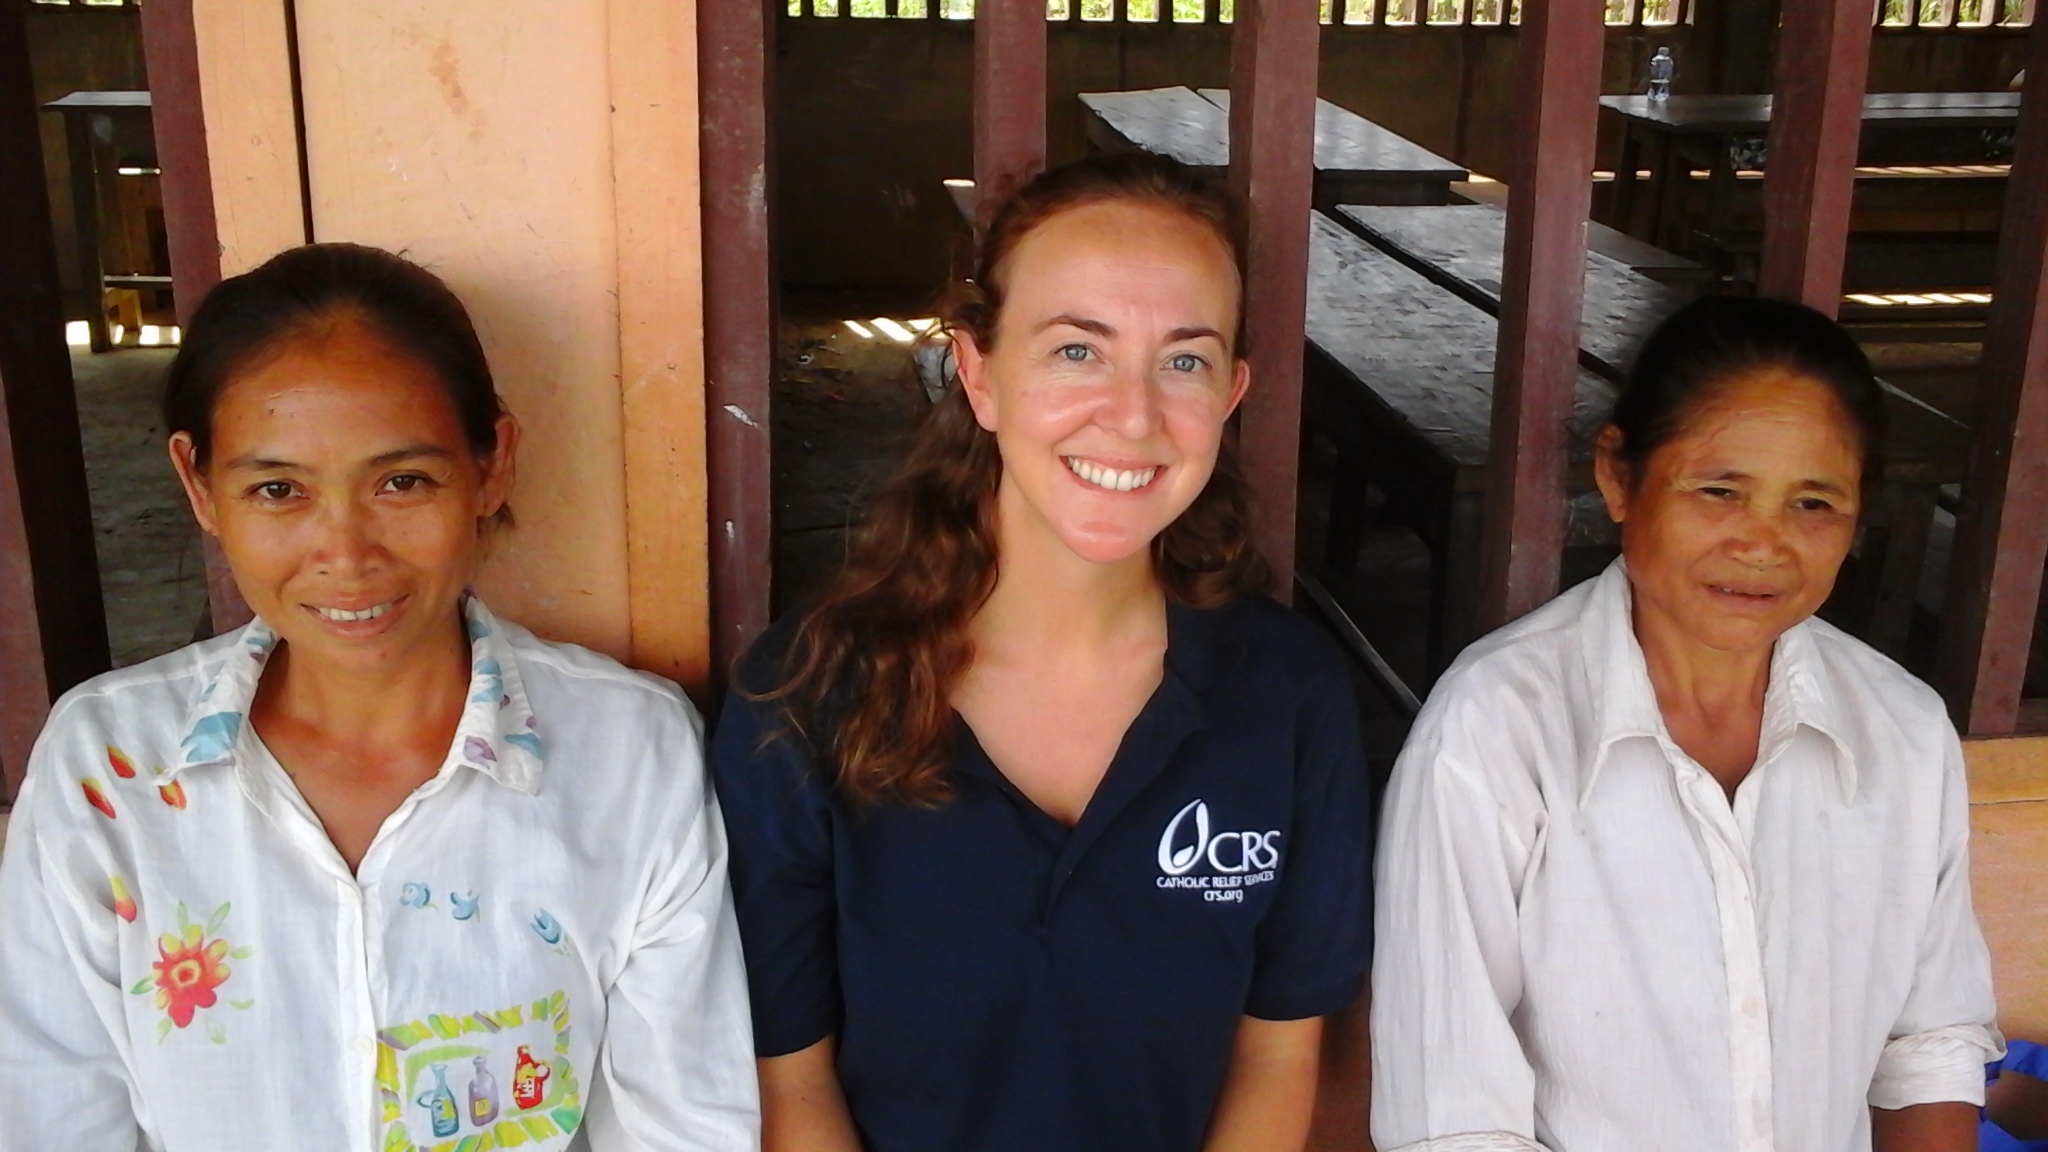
(1449, 1072)
(1315, 943)
(62, 1025)
(1947, 1032)
(778, 814)
(677, 1069)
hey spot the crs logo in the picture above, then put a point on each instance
(1182, 850)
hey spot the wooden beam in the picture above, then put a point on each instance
(171, 52)
(1536, 362)
(1274, 60)
(1810, 174)
(2001, 537)
(1009, 101)
(53, 625)
(736, 87)
(653, 50)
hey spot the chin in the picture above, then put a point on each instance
(1107, 548)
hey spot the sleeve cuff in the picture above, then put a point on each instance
(1300, 1005)
(1946, 1064)
(1474, 1142)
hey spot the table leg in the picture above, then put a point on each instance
(1904, 556)
(1454, 573)
(85, 213)
(1720, 188)
(1663, 170)
(1621, 206)
(1348, 492)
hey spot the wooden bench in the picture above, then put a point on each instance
(2009, 874)
(1357, 161)
(1400, 377)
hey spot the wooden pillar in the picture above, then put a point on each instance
(1810, 173)
(736, 86)
(1274, 55)
(171, 50)
(2002, 530)
(53, 626)
(1543, 281)
(1009, 100)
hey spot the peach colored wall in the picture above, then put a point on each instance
(509, 145)
(2009, 874)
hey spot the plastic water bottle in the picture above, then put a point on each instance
(1662, 66)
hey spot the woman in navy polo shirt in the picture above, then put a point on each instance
(1049, 831)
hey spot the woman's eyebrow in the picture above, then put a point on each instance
(411, 452)
(1081, 322)
(1180, 334)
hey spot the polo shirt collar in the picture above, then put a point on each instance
(497, 734)
(1624, 703)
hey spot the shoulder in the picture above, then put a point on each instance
(1256, 637)
(1536, 658)
(1884, 713)
(565, 681)
(143, 706)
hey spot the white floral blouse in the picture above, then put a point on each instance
(537, 950)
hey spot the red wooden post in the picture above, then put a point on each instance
(1810, 174)
(1536, 364)
(1274, 59)
(171, 51)
(53, 627)
(735, 117)
(2002, 531)
(1009, 100)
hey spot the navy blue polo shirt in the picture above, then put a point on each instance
(999, 981)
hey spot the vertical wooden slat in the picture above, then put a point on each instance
(1009, 100)
(171, 52)
(53, 627)
(1810, 176)
(2002, 530)
(1274, 61)
(655, 172)
(1543, 280)
(735, 94)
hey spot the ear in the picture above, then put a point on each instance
(1610, 473)
(500, 470)
(185, 461)
(972, 364)
(1240, 383)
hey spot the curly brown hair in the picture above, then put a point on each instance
(873, 661)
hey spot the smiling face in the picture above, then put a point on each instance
(1736, 527)
(345, 496)
(1111, 375)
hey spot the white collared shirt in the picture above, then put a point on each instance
(1582, 945)
(537, 951)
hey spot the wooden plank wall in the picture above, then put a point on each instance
(485, 141)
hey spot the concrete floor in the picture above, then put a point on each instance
(152, 573)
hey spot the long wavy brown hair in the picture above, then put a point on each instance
(868, 677)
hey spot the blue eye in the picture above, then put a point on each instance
(1186, 362)
(1073, 352)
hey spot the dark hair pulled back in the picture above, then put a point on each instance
(870, 670)
(1716, 339)
(300, 290)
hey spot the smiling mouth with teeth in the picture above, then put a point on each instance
(1112, 479)
(344, 616)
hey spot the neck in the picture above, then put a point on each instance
(1047, 598)
(393, 703)
(1689, 675)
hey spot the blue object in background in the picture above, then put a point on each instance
(2028, 1059)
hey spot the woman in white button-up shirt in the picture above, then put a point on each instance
(1668, 864)
(379, 871)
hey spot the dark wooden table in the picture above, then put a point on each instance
(1357, 161)
(1727, 132)
(1401, 380)
(1459, 246)
(104, 131)
(1428, 368)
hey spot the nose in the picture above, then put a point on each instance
(1131, 406)
(1758, 538)
(346, 540)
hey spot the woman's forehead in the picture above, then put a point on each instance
(1120, 255)
(1783, 418)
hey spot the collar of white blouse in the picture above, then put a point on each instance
(1625, 705)
(497, 735)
